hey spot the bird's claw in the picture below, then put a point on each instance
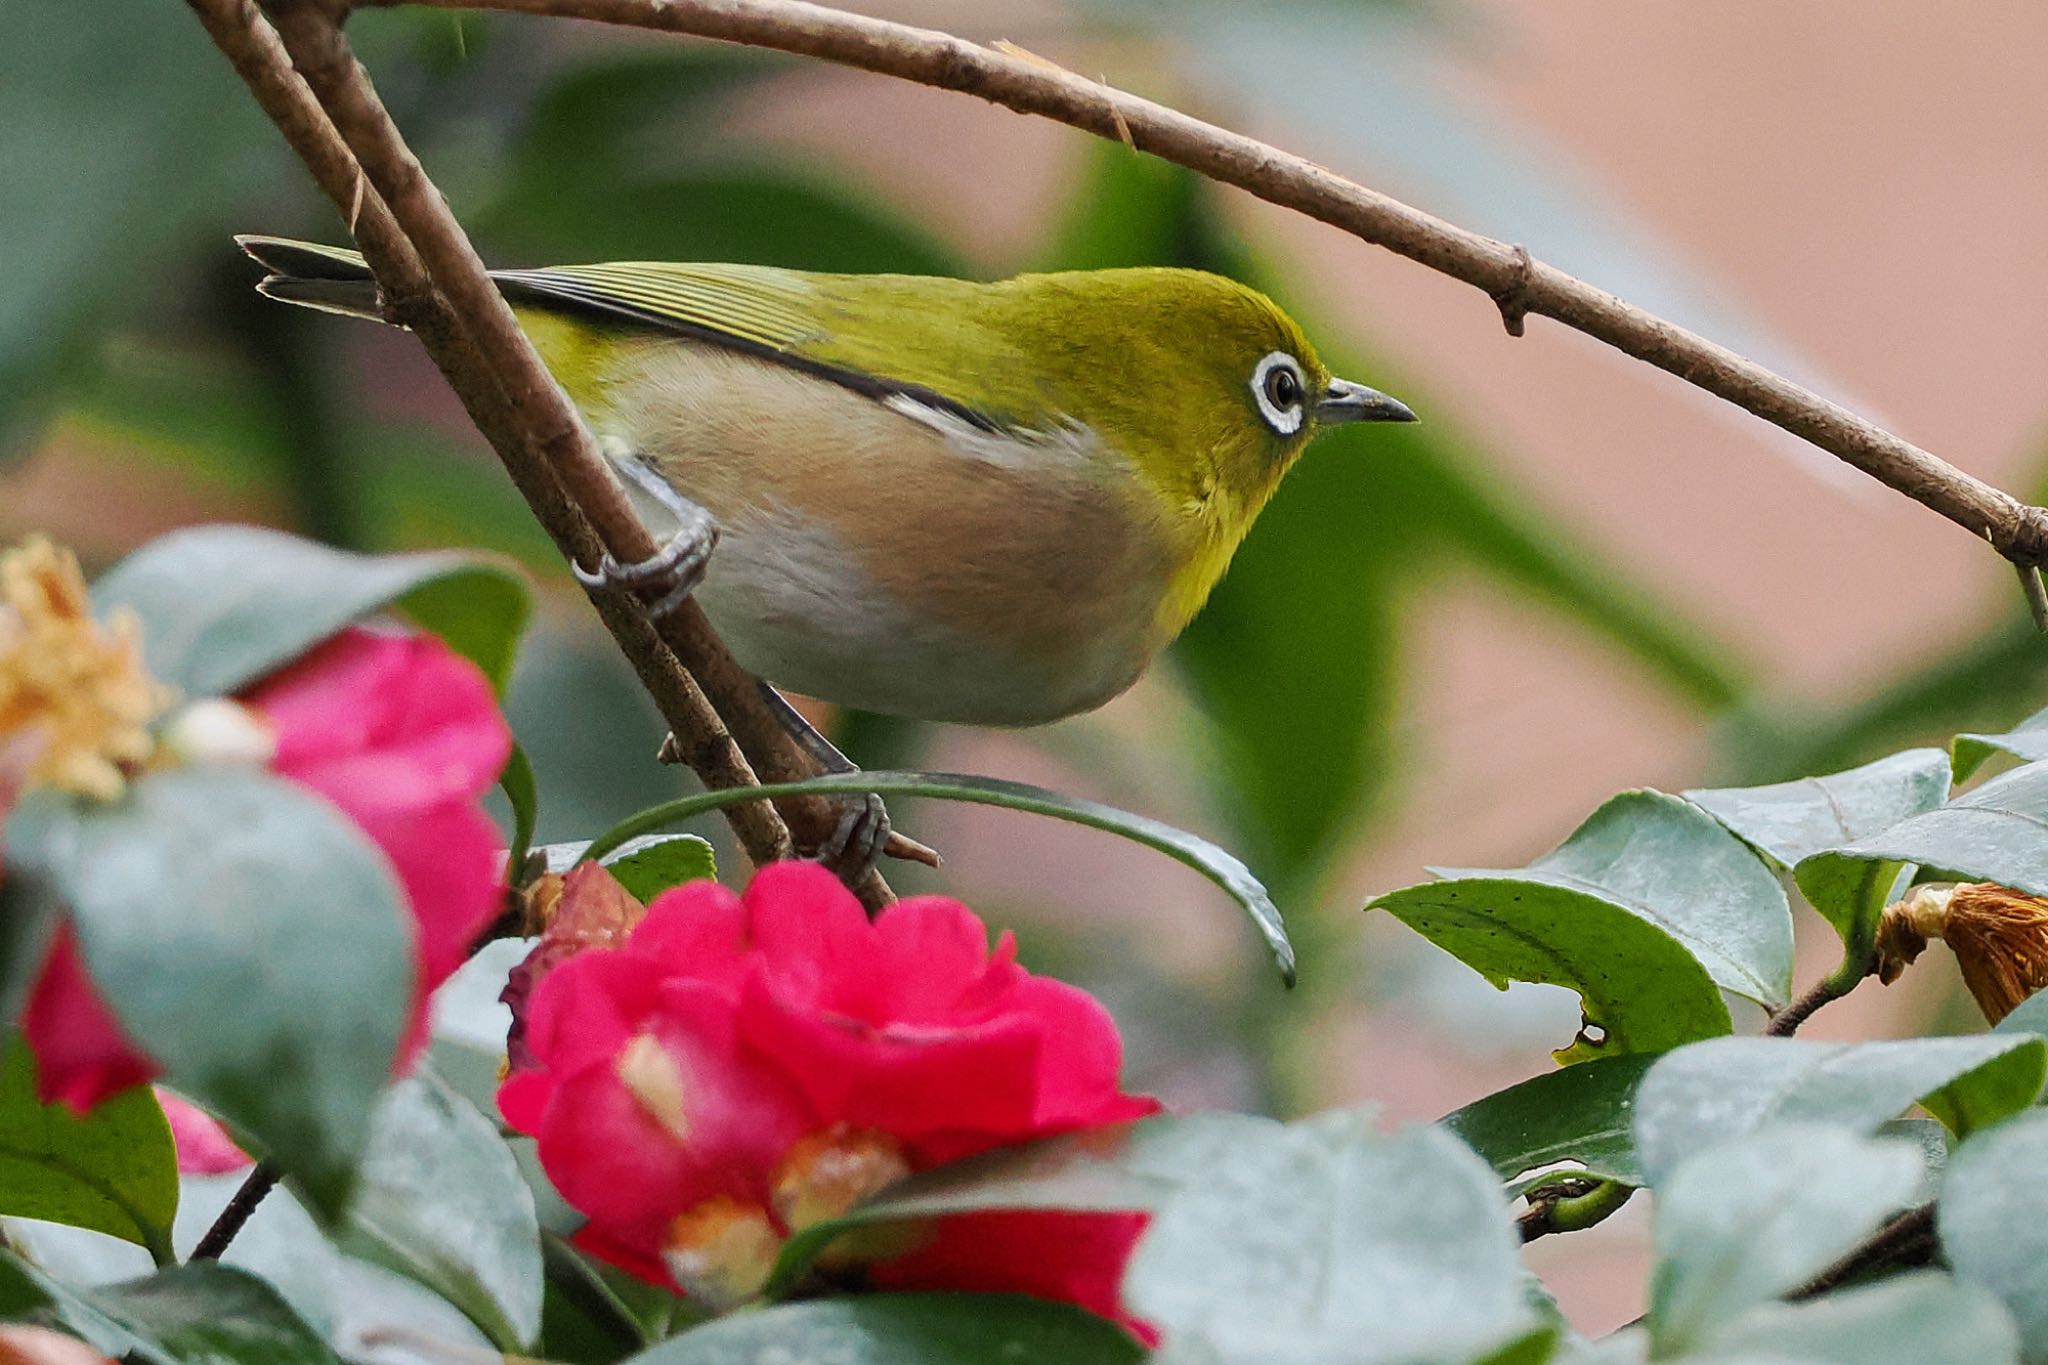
(673, 572)
(855, 844)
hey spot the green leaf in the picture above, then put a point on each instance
(1996, 833)
(2027, 741)
(647, 867)
(1742, 1222)
(114, 1170)
(29, 1295)
(1713, 1092)
(1911, 1319)
(1993, 1217)
(1198, 853)
(216, 1314)
(209, 887)
(903, 1329)
(2029, 1016)
(1326, 1240)
(222, 606)
(1788, 821)
(522, 793)
(1129, 1167)
(1570, 1122)
(1648, 911)
(440, 1198)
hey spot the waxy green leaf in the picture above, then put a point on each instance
(1648, 911)
(1788, 821)
(903, 1329)
(114, 1169)
(1716, 1091)
(221, 606)
(1574, 1121)
(2027, 741)
(1993, 1218)
(648, 867)
(1995, 833)
(440, 1198)
(1739, 1223)
(209, 1312)
(1326, 1240)
(212, 888)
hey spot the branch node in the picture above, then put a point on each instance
(1513, 298)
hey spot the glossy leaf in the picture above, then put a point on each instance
(1326, 1240)
(1740, 1222)
(1646, 910)
(1128, 1167)
(1713, 1092)
(114, 1169)
(648, 867)
(29, 914)
(1788, 821)
(1993, 1218)
(209, 1312)
(222, 606)
(522, 793)
(903, 1329)
(208, 885)
(440, 1199)
(1995, 833)
(1575, 1121)
(28, 1294)
(1911, 1319)
(1188, 849)
(2027, 741)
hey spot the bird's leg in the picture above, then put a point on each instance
(854, 845)
(673, 571)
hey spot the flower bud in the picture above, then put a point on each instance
(721, 1252)
(1999, 937)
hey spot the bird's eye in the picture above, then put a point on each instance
(1277, 385)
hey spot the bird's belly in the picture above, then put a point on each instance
(797, 609)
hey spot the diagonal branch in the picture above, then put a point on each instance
(1518, 285)
(432, 282)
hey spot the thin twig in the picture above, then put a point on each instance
(1907, 1241)
(262, 1179)
(1504, 272)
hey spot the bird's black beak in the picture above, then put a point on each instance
(1345, 401)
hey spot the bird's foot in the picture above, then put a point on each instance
(856, 842)
(666, 579)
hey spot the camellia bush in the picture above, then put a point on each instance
(303, 1064)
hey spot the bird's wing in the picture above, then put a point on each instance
(846, 331)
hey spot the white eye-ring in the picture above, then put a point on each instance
(1278, 387)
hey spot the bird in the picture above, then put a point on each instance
(991, 503)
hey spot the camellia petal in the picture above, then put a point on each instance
(82, 1054)
(742, 1066)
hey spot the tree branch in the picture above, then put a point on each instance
(432, 282)
(1518, 285)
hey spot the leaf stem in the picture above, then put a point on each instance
(1573, 1212)
(1836, 984)
(263, 1178)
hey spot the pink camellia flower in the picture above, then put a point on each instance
(740, 1069)
(401, 734)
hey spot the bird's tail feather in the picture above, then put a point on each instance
(330, 278)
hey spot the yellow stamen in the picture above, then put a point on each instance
(654, 1079)
(722, 1252)
(827, 1173)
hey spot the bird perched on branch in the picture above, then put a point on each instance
(987, 503)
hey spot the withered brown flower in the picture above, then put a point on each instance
(1999, 937)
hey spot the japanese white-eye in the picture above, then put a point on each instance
(988, 503)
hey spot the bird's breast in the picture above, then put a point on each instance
(882, 559)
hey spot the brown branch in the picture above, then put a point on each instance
(433, 283)
(1907, 1242)
(1518, 285)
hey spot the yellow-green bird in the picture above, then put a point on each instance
(959, 501)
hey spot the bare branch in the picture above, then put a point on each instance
(1519, 285)
(422, 261)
